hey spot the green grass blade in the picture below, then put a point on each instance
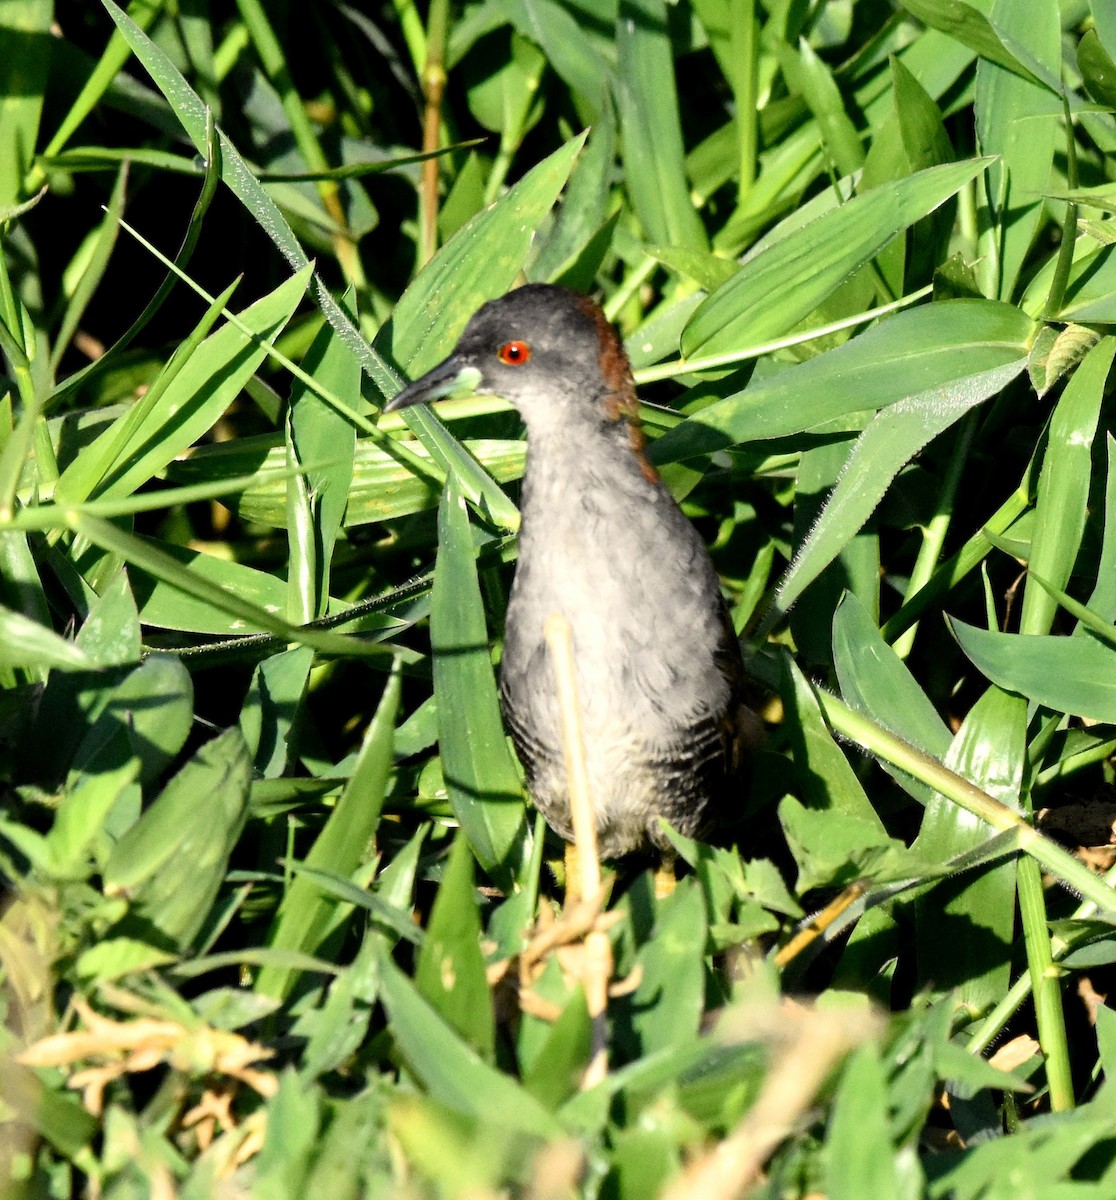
(1066, 674)
(479, 262)
(917, 351)
(316, 500)
(990, 750)
(450, 971)
(450, 1071)
(255, 477)
(1017, 121)
(24, 67)
(970, 26)
(28, 644)
(481, 779)
(808, 75)
(650, 126)
(150, 557)
(305, 912)
(113, 57)
(783, 283)
(828, 781)
(170, 864)
(88, 471)
(1063, 488)
(890, 441)
(201, 391)
(859, 1158)
(94, 270)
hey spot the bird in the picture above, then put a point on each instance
(658, 667)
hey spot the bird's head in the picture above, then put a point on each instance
(546, 350)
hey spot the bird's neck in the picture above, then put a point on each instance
(578, 466)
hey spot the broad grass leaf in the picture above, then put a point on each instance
(344, 1017)
(381, 488)
(1017, 121)
(24, 70)
(645, 1157)
(72, 701)
(153, 706)
(505, 100)
(170, 864)
(105, 455)
(480, 262)
(1075, 675)
(481, 778)
(1040, 1152)
(859, 1159)
(151, 558)
(809, 76)
(654, 157)
(923, 133)
(835, 849)
(828, 781)
(165, 606)
(111, 632)
(450, 971)
(892, 438)
(874, 680)
(665, 1010)
(322, 442)
(781, 285)
(305, 913)
(1097, 69)
(1106, 1041)
(964, 924)
(1104, 21)
(914, 352)
(269, 719)
(294, 1130)
(20, 585)
(1090, 295)
(856, 568)
(556, 1070)
(707, 270)
(569, 49)
(27, 644)
(82, 832)
(350, 894)
(450, 1070)
(1103, 599)
(202, 389)
(570, 251)
(1063, 488)
(971, 27)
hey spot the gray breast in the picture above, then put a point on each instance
(650, 644)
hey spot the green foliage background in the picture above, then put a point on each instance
(267, 858)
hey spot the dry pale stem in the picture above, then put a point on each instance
(806, 1045)
(820, 922)
(434, 83)
(128, 1047)
(597, 947)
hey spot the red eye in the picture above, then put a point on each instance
(514, 354)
